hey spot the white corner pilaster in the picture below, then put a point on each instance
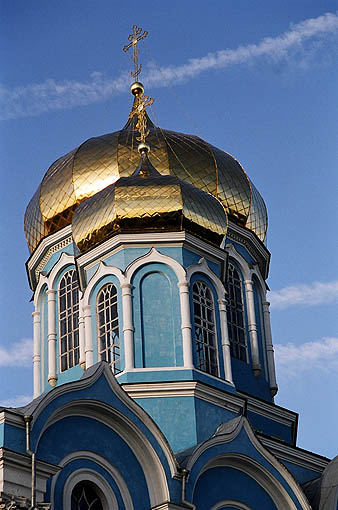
(269, 349)
(51, 297)
(36, 354)
(225, 340)
(82, 341)
(128, 326)
(252, 326)
(186, 324)
(88, 336)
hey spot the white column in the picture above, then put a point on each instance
(252, 326)
(186, 324)
(88, 336)
(128, 326)
(269, 349)
(225, 340)
(82, 340)
(51, 297)
(36, 354)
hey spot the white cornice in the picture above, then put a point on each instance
(12, 418)
(44, 469)
(185, 389)
(284, 416)
(46, 248)
(295, 455)
(120, 241)
(255, 247)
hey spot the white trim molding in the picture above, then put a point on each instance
(231, 503)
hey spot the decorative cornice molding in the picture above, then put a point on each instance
(47, 247)
(295, 455)
(255, 247)
(279, 414)
(185, 389)
(120, 241)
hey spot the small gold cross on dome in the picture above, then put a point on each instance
(134, 38)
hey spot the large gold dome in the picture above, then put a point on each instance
(101, 161)
(148, 202)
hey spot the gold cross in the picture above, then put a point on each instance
(135, 37)
(139, 110)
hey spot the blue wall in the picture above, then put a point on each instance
(218, 484)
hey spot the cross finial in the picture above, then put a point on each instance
(134, 38)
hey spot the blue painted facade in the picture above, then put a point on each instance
(161, 433)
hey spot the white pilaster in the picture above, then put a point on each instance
(88, 336)
(186, 324)
(269, 349)
(36, 354)
(128, 327)
(252, 325)
(82, 341)
(51, 297)
(225, 340)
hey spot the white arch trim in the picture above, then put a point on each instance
(106, 494)
(231, 503)
(131, 435)
(247, 271)
(154, 256)
(251, 467)
(153, 466)
(64, 261)
(257, 472)
(202, 267)
(100, 273)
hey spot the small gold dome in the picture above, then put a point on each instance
(101, 161)
(148, 202)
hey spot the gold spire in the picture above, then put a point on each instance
(141, 101)
(135, 37)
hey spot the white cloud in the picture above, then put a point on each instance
(17, 401)
(310, 295)
(294, 360)
(37, 98)
(18, 354)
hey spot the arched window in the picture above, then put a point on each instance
(204, 325)
(69, 320)
(108, 327)
(235, 315)
(85, 497)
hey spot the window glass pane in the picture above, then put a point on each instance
(108, 327)
(68, 319)
(204, 326)
(235, 315)
(85, 497)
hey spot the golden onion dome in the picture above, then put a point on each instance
(101, 161)
(148, 202)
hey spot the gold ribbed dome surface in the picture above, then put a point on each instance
(148, 202)
(101, 161)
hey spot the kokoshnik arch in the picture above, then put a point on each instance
(154, 376)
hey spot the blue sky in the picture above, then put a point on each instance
(257, 79)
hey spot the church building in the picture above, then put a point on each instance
(154, 374)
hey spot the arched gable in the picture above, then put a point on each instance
(99, 398)
(235, 446)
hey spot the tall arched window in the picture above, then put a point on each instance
(69, 320)
(204, 325)
(235, 315)
(85, 497)
(108, 327)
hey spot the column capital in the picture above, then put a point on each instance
(183, 285)
(36, 315)
(50, 292)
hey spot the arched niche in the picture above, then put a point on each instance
(156, 311)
